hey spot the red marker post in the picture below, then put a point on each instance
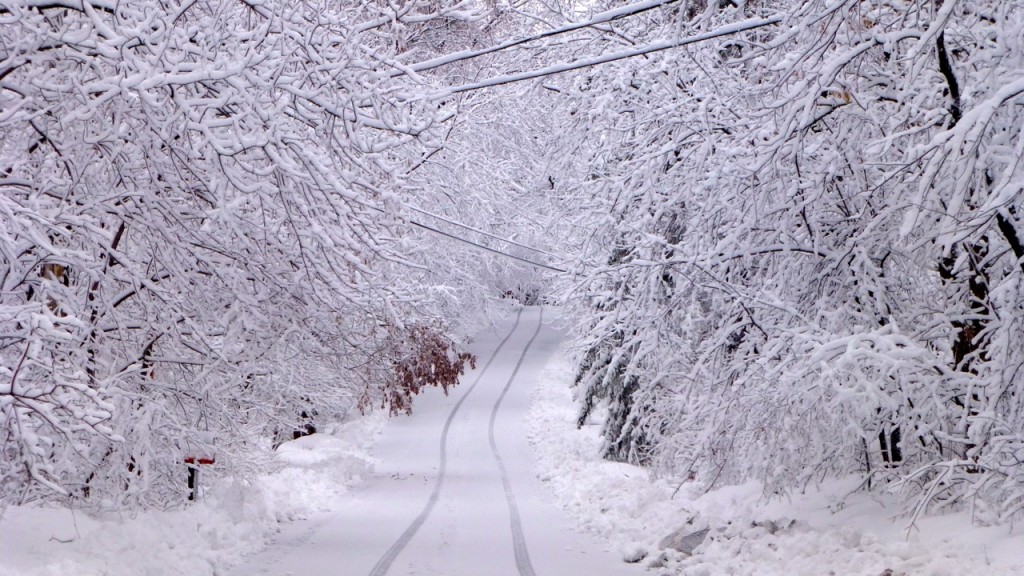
(193, 463)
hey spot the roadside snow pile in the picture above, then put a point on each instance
(834, 530)
(318, 469)
(233, 519)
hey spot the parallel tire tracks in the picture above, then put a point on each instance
(523, 563)
(384, 564)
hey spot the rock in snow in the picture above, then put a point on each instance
(684, 539)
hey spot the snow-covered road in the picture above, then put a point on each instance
(454, 492)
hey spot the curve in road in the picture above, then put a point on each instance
(384, 564)
(522, 554)
(413, 515)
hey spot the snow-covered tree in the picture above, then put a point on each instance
(809, 258)
(199, 230)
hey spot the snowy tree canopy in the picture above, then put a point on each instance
(791, 228)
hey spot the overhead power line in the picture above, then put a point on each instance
(728, 30)
(470, 242)
(601, 18)
(478, 231)
(486, 248)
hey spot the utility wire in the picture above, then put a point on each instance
(604, 17)
(742, 26)
(486, 248)
(478, 231)
(735, 28)
(601, 18)
(465, 241)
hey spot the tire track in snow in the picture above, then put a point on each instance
(523, 563)
(384, 564)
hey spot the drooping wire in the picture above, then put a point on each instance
(735, 28)
(470, 242)
(601, 18)
(487, 248)
(478, 231)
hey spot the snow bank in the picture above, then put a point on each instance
(233, 519)
(832, 530)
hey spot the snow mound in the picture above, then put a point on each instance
(234, 519)
(833, 530)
